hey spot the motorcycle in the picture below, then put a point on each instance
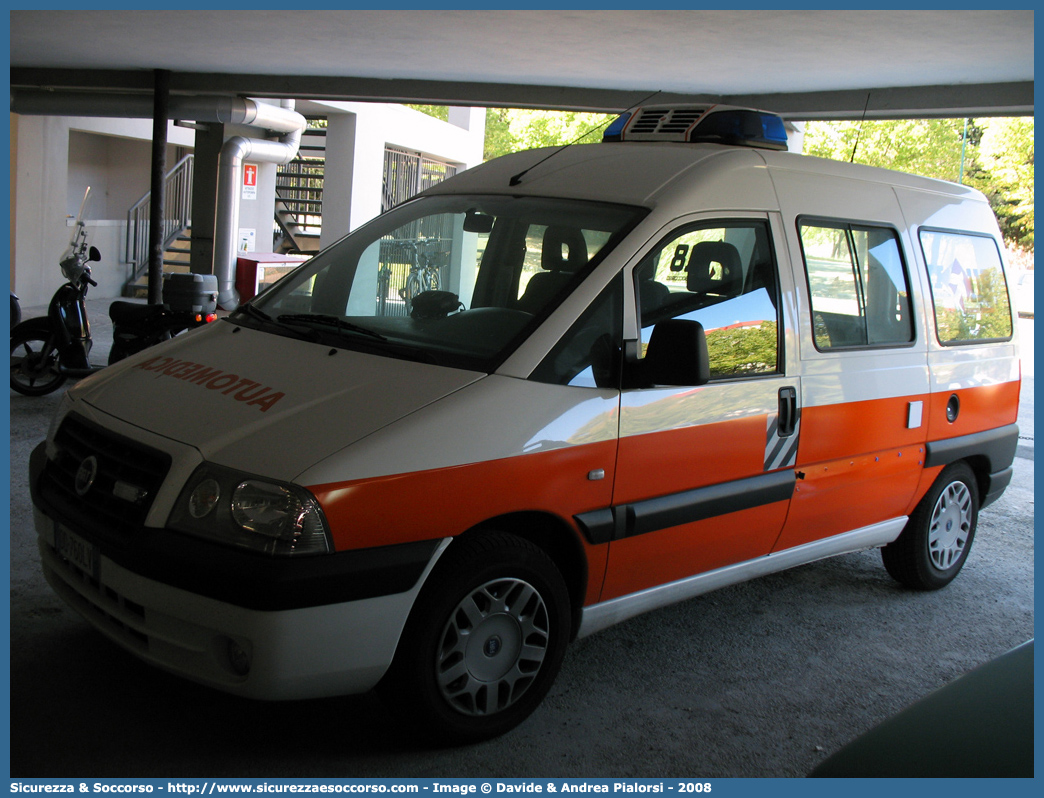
(136, 327)
(46, 351)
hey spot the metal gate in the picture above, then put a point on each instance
(409, 173)
(409, 250)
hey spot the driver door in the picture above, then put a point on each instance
(705, 472)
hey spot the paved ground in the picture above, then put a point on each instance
(761, 679)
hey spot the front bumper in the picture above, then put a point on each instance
(308, 652)
(255, 625)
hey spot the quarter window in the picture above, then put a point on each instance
(858, 286)
(968, 287)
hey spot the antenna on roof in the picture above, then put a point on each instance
(516, 179)
(859, 132)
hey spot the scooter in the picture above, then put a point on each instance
(46, 351)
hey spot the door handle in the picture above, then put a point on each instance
(788, 411)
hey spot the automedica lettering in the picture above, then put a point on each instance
(239, 388)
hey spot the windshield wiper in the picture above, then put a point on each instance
(259, 315)
(337, 323)
(387, 347)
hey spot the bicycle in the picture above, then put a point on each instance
(424, 273)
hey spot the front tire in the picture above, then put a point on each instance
(484, 642)
(34, 362)
(934, 545)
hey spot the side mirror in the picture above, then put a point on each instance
(677, 355)
(93, 254)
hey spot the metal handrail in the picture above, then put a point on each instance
(177, 219)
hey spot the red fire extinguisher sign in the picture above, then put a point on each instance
(249, 181)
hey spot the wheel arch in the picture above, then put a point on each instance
(981, 468)
(556, 539)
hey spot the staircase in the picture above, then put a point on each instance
(175, 259)
(299, 193)
(176, 227)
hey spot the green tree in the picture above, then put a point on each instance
(929, 147)
(1006, 152)
(437, 111)
(993, 155)
(743, 350)
(498, 133)
(513, 129)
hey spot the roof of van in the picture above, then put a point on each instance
(637, 173)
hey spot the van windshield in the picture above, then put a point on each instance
(454, 280)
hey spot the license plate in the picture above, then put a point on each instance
(76, 550)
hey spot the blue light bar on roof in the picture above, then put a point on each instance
(719, 124)
(612, 133)
(743, 127)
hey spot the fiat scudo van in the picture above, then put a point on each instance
(555, 391)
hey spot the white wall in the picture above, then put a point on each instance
(355, 142)
(56, 159)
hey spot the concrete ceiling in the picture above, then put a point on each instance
(804, 64)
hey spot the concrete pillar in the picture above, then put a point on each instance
(209, 139)
(795, 136)
(158, 202)
(474, 121)
(338, 177)
(40, 178)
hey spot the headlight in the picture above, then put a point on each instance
(228, 506)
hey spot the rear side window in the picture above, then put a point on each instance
(968, 287)
(858, 285)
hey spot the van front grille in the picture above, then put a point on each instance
(99, 481)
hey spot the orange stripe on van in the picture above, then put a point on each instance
(860, 464)
(836, 496)
(658, 463)
(663, 556)
(443, 502)
(831, 432)
(981, 408)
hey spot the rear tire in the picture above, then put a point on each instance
(484, 641)
(34, 363)
(932, 548)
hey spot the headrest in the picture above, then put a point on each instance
(563, 249)
(714, 268)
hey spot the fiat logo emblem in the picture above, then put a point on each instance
(85, 475)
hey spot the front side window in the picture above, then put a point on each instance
(452, 280)
(722, 275)
(858, 285)
(968, 287)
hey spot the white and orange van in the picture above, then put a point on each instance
(558, 390)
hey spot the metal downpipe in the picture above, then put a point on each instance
(230, 163)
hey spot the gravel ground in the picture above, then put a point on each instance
(763, 679)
